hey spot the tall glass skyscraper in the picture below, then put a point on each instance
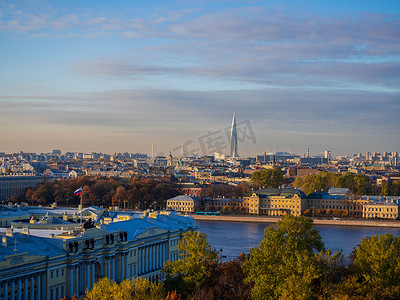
(234, 147)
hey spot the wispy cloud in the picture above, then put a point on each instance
(263, 47)
(291, 71)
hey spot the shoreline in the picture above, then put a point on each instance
(259, 219)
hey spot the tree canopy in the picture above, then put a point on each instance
(129, 193)
(377, 261)
(272, 178)
(358, 184)
(224, 190)
(136, 289)
(196, 258)
(284, 264)
(226, 282)
(289, 263)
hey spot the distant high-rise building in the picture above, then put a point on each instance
(234, 147)
(56, 152)
(327, 154)
(368, 156)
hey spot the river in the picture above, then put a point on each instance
(237, 237)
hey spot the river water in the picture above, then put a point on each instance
(237, 237)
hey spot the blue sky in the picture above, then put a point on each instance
(118, 76)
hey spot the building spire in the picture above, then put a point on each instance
(234, 147)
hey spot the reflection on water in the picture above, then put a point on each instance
(237, 237)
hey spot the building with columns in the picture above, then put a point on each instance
(275, 202)
(51, 264)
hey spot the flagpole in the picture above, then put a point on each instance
(81, 205)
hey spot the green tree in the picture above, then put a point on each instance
(395, 188)
(143, 289)
(312, 183)
(196, 259)
(384, 188)
(334, 269)
(136, 289)
(361, 185)
(358, 184)
(377, 261)
(103, 289)
(284, 264)
(268, 178)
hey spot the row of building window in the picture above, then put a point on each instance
(132, 270)
(276, 206)
(56, 292)
(377, 209)
(19, 183)
(132, 252)
(391, 216)
(337, 207)
(174, 255)
(57, 272)
(181, 203)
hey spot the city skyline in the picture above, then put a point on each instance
(116, 77)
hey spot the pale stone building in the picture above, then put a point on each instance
(51, 264)
(183, 203)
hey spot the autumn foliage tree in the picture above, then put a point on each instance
(131, 193)
(225, 282)
(224, 190)
(119, 196)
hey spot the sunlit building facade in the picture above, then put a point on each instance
(275, 202)
(51, 264)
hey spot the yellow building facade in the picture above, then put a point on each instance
(275, 202)
(381, 210)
